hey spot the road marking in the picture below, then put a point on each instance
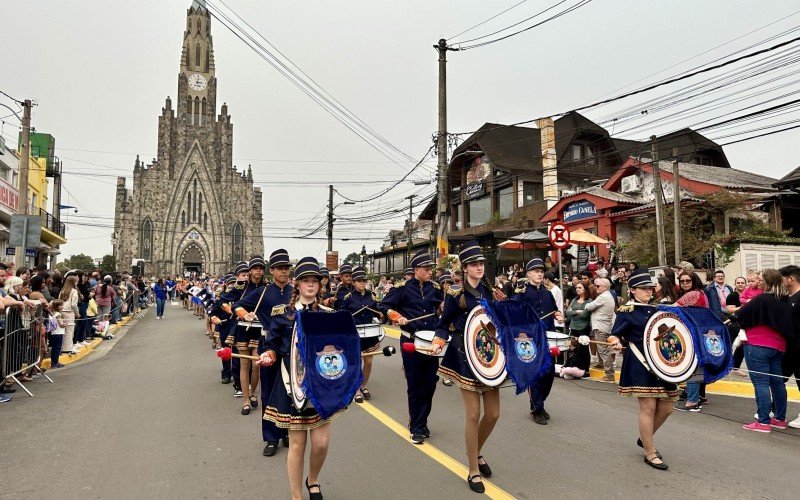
(492, 491)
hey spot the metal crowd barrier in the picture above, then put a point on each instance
(23, 342)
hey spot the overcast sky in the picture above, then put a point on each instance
(100, 71)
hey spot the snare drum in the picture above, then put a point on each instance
(424, 339)
(560, 340)
(371, 330)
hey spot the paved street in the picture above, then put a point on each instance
(150, 419)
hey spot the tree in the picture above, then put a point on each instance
(80, 261)
(108, 264)
(353, 259)
(702, 230)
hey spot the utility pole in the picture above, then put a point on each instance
(24, 164)
(676, 203)
(659, 194)
(410, 222)
(441, 147)
(330, 218)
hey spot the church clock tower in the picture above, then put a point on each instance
(190, 209)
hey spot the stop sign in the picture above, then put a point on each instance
(559, 236)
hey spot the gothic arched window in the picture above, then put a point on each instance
(205, 221)
(199, 205)
(237, 253)
(197, 54)
(183, 219)
(188, 110)
(196, 120)
(146, 240)
(189, 205)
(203, 112)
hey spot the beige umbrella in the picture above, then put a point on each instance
(583, 237)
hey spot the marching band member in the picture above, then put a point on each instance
(261, 303)
(247, 337)
(345, 287)
(222, 322)
(457, 306)
(325, 284)
(655, 395)
(539, 297)
(280, 410)
(418, 297)
(364, 306)
(446, 282)
(228, 330)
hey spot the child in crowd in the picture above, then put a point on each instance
(101, 328)
(576, 364)
(58, 326)
(91, 315)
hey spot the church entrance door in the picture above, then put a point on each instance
(192, 259)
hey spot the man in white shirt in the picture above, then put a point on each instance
(603, 315)
(550, 284)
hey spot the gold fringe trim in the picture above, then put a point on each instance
(649, 392)
(297, 422)
(462, 382)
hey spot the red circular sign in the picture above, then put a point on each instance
(559, 236)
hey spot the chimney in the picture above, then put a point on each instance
(549, 161)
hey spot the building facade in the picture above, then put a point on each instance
(190, 209)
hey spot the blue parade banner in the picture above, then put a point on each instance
(330, 350)
(711, 341)
(523, 338)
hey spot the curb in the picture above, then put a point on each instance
(66, 359)
(722, 387)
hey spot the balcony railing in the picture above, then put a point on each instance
(51, 223)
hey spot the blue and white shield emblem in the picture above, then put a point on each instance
(713, 343)
(331, 364)
(525, 348)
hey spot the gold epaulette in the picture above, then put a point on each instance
(401, 283)
(454, 293)
(346, 296)
(520, 289)
(437, 285)
(278, 310)
(326, 309)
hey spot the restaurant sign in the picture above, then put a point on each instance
(579, 210)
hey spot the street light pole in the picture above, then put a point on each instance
(441, 149)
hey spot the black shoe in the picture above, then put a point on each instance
(7, 390)
(661, 466)
(539, 418)
(285, 442)
(313, 496)
(640, 445)
(703, 401)
(226, 380)
(246, 410)
(546, 415)
(476, 486)
(486, 471)
(417, 438)
(271, 448)
(253, 402)
(426, 432)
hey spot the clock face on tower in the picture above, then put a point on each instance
(197, 82)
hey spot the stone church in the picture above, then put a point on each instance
(190, 209)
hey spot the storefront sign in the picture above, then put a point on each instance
(9, 197)
(11, 251)
(579, 210)
(475, 190)
(30, 252)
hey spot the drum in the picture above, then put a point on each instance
(371, 330)
(424, 339)
(669, 347)
(484, 355)
(560, 340)
(296, 373)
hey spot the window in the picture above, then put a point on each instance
(199, 202)
(196, 119)
(188, 111)
(456, 217)
(577, 152)
(591, 153)
(479, 211)
(146, 240)
(189, 204)
(237, 253)
(504, 201)
(197, 53)
(34, 199)
(205, 221)
(183, 219)
(531, 193)
(203, 112)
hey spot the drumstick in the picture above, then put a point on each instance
(368, 309)
(226, 354)
(386, 351)
(421, 317)
(258, 304)
(548, 314)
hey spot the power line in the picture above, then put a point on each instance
(487, 20)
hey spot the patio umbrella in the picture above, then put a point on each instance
(583, 237)
(516, 245)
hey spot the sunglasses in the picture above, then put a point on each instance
(685, 281)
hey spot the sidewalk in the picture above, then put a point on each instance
(67, 359)
(731, 385)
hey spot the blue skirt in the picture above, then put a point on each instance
(454, 366)
(635, 380)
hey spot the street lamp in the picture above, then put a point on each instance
(363, 255)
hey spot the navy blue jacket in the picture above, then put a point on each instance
(454, 318)
(413, 299)
(356, 300)
(540, 298)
